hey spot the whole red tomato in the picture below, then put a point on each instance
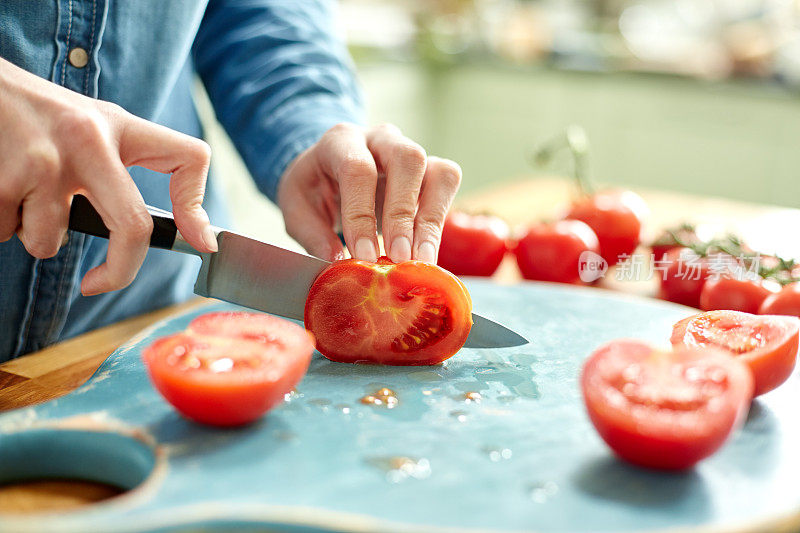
(666, 240)
(785, 302)
(664, 409)
(410, 313)
(472, 245)
(616, 217)
(551, 252)
(683, 275)
(735, 293)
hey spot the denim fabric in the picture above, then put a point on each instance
(278, 78)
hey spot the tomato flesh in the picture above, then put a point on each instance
(767, 344)
(664, 410)
(227, 369)
(411, 313)
(472, 245)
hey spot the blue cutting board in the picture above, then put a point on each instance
(523, 458)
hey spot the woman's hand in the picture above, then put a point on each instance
(355, 178)
(56, 143)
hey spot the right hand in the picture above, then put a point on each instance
(56, 143)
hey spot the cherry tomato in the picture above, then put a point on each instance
(735, 294)
(410, 313)
(665, 410)
(785, 302)
(616, 217)
(683, 275)
(472, 245)
(551, 252)
(767, 344)
(228, 369)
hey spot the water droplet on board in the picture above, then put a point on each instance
(292, 395)
(542, 491)
(343, 408)
(383, 397)
(472, 397)
(461, 416)
(425, 376)
(322, 403)
(497, 454)
(399, 468)
(483, 370)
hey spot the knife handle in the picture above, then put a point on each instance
(84, 218)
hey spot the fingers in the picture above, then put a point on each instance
(43, 224)
(187, 159)
(403, 162)
(9, 215)
(344, 155)
(439, 187)
(311, 228)
(124, 213)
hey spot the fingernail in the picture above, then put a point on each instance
(365, 250)
(426, 252)
(401, 249)
(210, 238)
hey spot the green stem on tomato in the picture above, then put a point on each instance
(574, 138)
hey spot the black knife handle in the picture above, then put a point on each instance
(83, 217)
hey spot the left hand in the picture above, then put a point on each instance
(355, 176)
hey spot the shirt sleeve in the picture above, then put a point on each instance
(278, 77)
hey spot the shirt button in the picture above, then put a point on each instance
(78, 57)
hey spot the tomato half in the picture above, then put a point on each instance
(617, 217)
(551, 252)
(767, 344)
(665, 410)
(472, 245)
(410, 313)
(786, 302)
(735, 294)
(228, 369)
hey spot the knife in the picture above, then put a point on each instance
(256, 274)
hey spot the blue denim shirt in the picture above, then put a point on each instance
(277, 75)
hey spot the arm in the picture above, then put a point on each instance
(282, 86)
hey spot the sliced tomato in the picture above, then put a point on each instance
(551, 252)
(228, 369)
(616, 217)
(786, 302)
(472, 245)
(411, 313)
(664, 409)
(735, 293)
(767, 344)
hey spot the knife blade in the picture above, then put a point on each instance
(258, 275)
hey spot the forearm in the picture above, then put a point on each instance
(278, 77)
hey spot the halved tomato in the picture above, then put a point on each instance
(410, 313)
(767, 344)
(228, 369)
(664, 409)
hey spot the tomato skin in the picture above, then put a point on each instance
(684, 277)
(268, 367)
(551, 252)
(472, 245)
(616, 217)
(410, 313)
(767, 344)
(786, 302)
(653, 408)
(735, 294)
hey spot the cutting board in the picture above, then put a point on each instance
(523, 456)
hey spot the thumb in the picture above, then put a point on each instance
(187, 159)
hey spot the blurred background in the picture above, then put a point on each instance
(696, 96)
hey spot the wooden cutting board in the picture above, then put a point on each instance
(524, 457)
